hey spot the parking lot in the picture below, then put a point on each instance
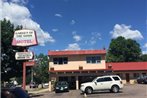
(129, 91)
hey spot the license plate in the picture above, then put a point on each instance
(61, 88)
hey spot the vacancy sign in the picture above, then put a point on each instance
(24, 38)
(24, 55)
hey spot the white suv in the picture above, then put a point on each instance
(110, 82)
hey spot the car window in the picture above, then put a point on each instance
(116, 78)
(107, 79)
(100, 80)
(104, 79)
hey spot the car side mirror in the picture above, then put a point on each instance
(95, 83)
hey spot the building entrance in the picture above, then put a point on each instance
(71, 81)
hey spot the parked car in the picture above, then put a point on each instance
(9, 85)
(142, 79)
(33, 85)
(111, 82)
(61, 86)
(45, 85)
(14, 92)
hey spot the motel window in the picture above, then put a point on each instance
(61, 60)
(93, 59)
(143, 74)
(136, 75)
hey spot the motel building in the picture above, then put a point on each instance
(79, 66)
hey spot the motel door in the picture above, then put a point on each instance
(127, 77)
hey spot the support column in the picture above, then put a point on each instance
(77, 83)
(57, 78)
(50, 84)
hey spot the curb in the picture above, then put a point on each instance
(38, 91)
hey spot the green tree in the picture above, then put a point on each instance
(41, 69)
(123, 50)
(9, 66)
(143, 57)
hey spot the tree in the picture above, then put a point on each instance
(9, 66)
(143, 57)
(41, 69)
(123, 50)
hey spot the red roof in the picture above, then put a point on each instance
(76, 52)
(127, 66)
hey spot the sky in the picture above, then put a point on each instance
(78, 24)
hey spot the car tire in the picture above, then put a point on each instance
(88, 90)
(56, 91)
(115, 89)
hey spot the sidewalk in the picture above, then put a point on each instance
(36, 91)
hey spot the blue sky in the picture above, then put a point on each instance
(79, 24)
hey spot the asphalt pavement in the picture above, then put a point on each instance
(129, 91)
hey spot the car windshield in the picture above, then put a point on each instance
(61, 83)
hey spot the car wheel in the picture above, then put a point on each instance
(88, 90)
(115, 89)
(56, 91)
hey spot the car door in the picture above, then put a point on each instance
(107, 82)
(99, 84)
(103, 83)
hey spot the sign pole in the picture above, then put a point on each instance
(24, 76)
(24, 73)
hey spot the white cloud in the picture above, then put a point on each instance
(55, 30)
(76, 37)
(145, 45)
(23, 17)
(125, 31)
(20, 1)
(72, 22)
(15, 1)
(58, 15)
(95, 37)
(144, 52)
(73, 46)
(92, 41)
